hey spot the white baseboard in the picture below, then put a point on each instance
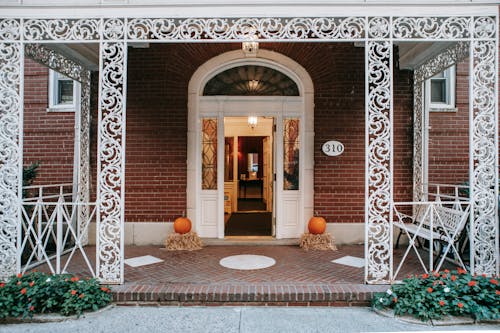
(155, 233)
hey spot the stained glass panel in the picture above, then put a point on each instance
(209, 154)
(291, 154)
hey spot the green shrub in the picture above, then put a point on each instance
(431, 296)
(25, 295)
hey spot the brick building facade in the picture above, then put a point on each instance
(158, 78)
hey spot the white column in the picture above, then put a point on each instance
(484, 148)
(84, 157)
(11, 151)
(379, 165)
(419, 141)
(111, 161)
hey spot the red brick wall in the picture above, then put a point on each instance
(157, 122)
(156, 155)
(48, 136)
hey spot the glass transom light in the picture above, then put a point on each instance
(251, 80)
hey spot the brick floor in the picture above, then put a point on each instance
(298, 278)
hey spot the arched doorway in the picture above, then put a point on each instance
(293, 138)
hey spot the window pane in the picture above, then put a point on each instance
(291, 154)
(65, 92)
(438, 91)
(209, 154)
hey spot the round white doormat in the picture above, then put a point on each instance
(247, 262)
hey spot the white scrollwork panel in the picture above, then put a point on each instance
(62, 29)
(484, 27)
(454, 27)
(111, 153)
(10, 154)
(379, 155)
(55, 61)
(378, 27)
(84, 158)
(114, 29)
(243, 28)
(447, 58)
(10, 29)
(484, 182)
(418, 149)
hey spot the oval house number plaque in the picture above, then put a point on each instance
(332, 148)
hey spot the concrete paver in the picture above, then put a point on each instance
(236, 319)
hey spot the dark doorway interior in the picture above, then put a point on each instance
(249, 224)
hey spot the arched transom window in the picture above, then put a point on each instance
(251, 80)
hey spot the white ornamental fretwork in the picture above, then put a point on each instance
(326, 28)
(84, 158)
(484, 178)
(431, 27)
(264, 28)
(62, 29)
(55, 61)
(111, 150)
(445, 59)
(418, 142)
(379, 155)
(10, 155)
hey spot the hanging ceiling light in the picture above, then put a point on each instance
(251, 46)
(253, 86)
(252, 122)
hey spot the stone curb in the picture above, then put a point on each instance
(445, 321)
(52, 317)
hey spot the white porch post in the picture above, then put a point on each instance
(420, 114)
(84, 156)
(379, 159)
(111, 160)
(483, 126)
(11, 151)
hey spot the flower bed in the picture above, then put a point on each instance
(33, 293)
(432, 296)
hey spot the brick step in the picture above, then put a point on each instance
(240, 295)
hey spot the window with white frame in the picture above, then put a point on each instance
(63, 92)
(440, 90)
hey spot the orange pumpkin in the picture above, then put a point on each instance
(182, 225)
(316, 225)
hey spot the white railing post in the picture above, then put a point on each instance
(431, 242)
(59, 235)
(38, 207)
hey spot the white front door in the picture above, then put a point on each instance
(287, 196)
(293, 198)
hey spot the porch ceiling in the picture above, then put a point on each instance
(411, 54)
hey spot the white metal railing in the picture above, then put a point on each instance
(427, 215)
(447, 192)
(53, 229)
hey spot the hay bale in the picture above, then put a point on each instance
(183, 242)
(323, 242)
